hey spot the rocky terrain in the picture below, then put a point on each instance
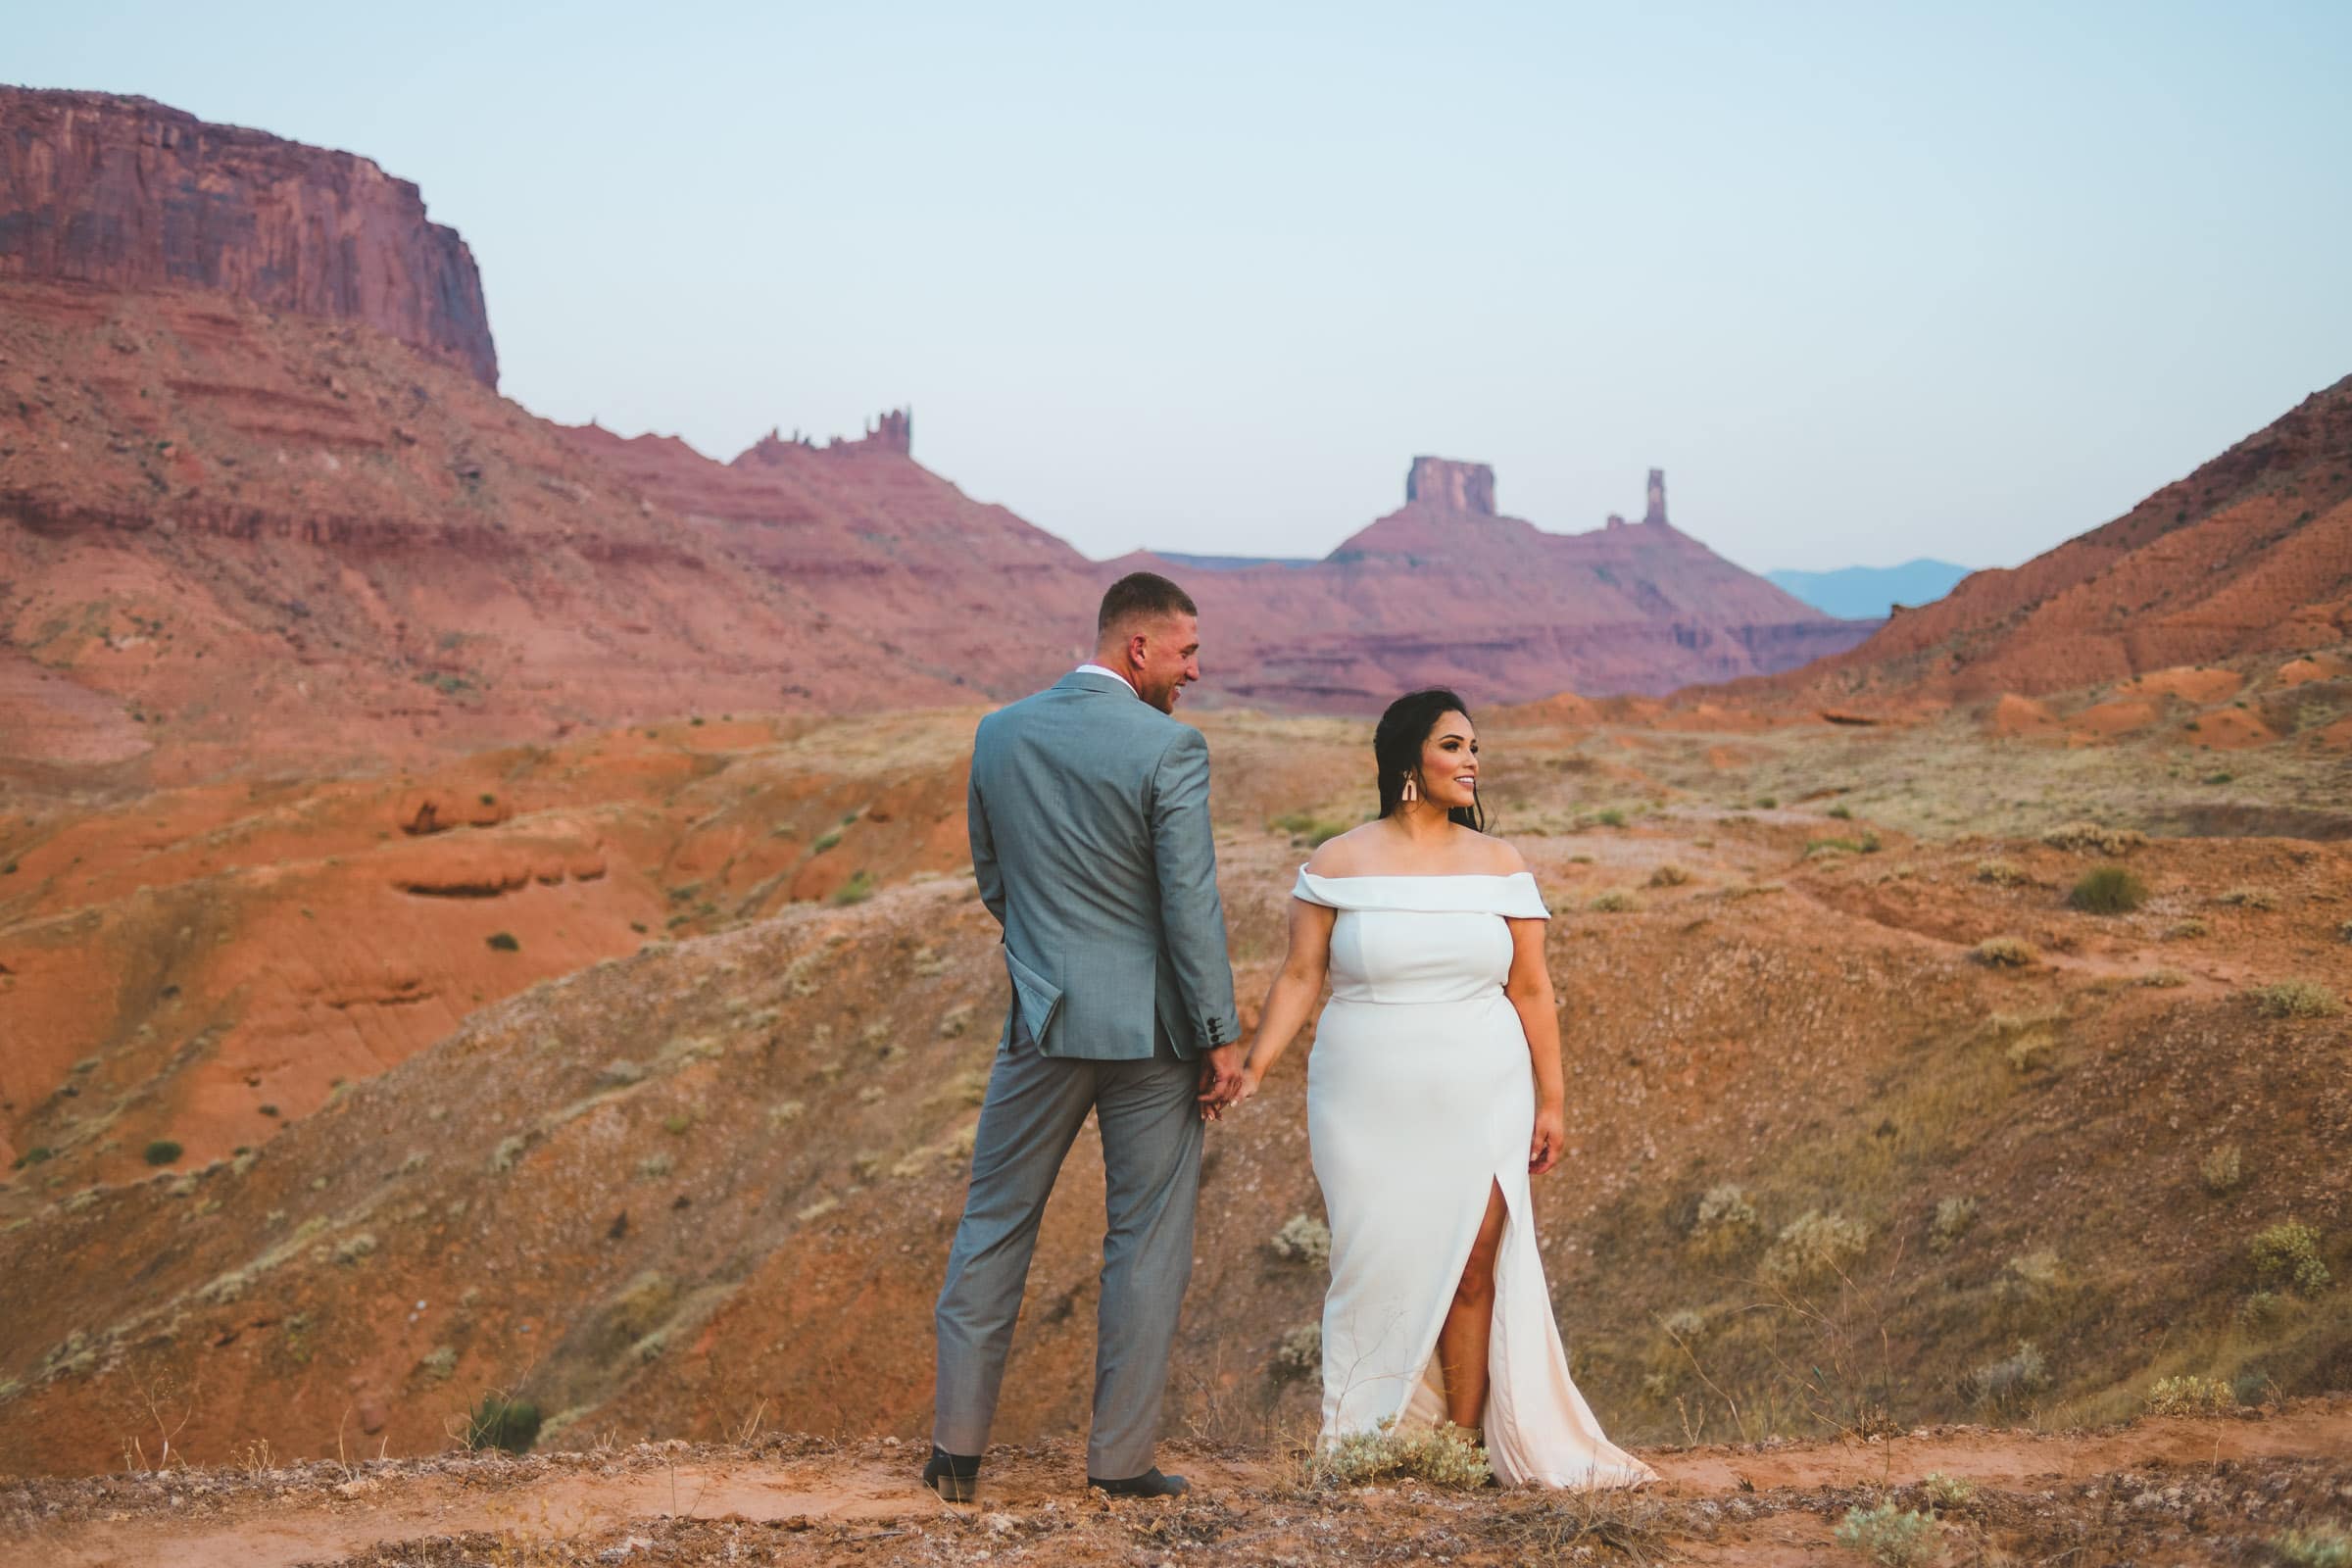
(1446, 591)
(1870, 1121)
(2164, 1491)
(130, 194)
(257, 497)
(2249, 554)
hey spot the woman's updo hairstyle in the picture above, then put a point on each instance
(1397, 743)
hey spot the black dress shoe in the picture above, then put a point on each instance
(954, 1476)
(1151, 1483)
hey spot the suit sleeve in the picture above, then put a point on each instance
(985, 869)
(1191, 915)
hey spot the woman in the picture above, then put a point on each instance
(1434, 1091)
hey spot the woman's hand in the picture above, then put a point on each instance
(1244, 1086)
(1550, 1140)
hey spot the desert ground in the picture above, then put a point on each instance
(626, 1082)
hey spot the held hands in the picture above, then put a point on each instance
(1220, 1078)
(1214, 1104)
(1550, 1140)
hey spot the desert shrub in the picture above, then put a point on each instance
(2031, 1277)
(826, 840)
(2163, 979)
(856, 890)
(2296, 999)
(2000, 873)
(503, 941)
(2264, 1309)
(510, 1149)
(163, 1151)
(1442, 1455)
(2182, 930)
(1613, 817)
(1669, 875)
(1685, 1323)
(2252, 1387)
(784, 1113)
(1766, 803)
(2289, 1252)
(1891, 1537)
(2108, 890)
(499, 1422)
(2320, 1546)
(2008, 1384)
(441, 1364)
(656, 1165)
(1811, 1246)
(2082, 837)
(2190, 1395)
(1303, 1239)
(1616, 900)
(1301, 1352)
(2343, 933)
(619, 1073)
(2221, 1169)
(1946, 1492)
(1867, 844)
(352, 1248)
(2246, 898)
(1953, 1217)
(1725, 1220)
(2031, 1053)
(1842, 812)
(2006, 952)
(1307, 829)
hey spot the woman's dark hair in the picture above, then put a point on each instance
(1397, 743)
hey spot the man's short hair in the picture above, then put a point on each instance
(1140, 593)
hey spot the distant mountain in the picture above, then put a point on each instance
(2250, 554)
(1232, 563)
(1871, 593)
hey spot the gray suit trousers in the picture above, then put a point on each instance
(1151, 1128)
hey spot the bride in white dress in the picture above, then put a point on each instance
(1434, 1091)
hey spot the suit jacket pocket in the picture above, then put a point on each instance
(1038, 997)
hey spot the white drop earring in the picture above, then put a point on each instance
(1413, 791)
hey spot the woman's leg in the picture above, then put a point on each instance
(1470, 1323)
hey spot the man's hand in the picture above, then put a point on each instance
(1220, 1076)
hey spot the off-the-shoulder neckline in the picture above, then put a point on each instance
(1424, 876)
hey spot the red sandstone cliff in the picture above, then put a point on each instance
(2251, 553)
(130, 194)
(1445, 591)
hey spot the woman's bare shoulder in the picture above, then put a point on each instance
(1496, 857)
(1344, 855)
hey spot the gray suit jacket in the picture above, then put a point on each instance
(1091, 843)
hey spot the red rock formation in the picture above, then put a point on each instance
(226, 534)
(130, 194)
(2251, 553)
(1442, 591)
(1451, 486)
(1657, 497)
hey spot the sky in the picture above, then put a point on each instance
(1869, 281)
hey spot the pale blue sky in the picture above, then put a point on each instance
(1870, 281)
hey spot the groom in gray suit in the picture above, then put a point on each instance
(1089, 809)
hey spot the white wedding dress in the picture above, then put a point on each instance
(1420, 1101)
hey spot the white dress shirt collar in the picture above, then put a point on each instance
(1091, 668)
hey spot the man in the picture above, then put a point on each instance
(1089, 810)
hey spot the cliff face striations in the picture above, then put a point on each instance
(130, 194)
